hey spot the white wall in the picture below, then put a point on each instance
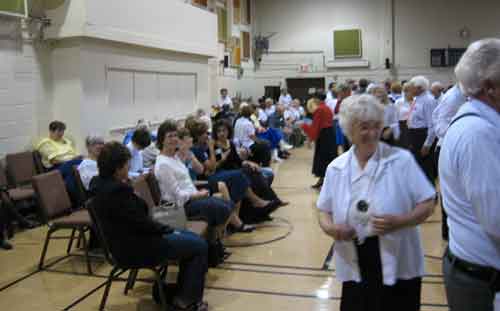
(22, 84)
(81, 78)
(306, 26)
(170, 25)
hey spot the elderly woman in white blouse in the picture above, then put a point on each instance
(88, 167)
(373, 199)
(403, 106)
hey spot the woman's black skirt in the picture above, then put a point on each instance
(371, 294)
(325, 151)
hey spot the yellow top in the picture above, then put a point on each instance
(58, 151)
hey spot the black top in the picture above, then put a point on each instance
(232, 162)
(134, 237)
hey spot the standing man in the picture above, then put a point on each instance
(437, 89)
(420, 127)
(285, 98)
(469, 172)
(224, 100)
(441, 117)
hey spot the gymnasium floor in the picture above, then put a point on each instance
(290, 273)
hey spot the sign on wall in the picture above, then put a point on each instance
(17, 8)
(347, 43)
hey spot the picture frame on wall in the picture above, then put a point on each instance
(222, 25)
(235, 46)
(245, 43)
(236, 12)
(347, 43)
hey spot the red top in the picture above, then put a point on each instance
(322, 118)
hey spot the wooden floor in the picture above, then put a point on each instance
(282, 266)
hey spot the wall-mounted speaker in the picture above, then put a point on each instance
(387, 63)
(226, 61)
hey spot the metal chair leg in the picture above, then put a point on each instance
(44, 250)
(161, 289)
(70, 243)
(85, 247)
(132, 276)
(107, 288)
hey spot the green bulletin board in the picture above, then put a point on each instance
(347, 43)
(13, 8)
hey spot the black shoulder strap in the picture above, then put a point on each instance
(468, 114)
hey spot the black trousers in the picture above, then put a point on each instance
(371, 294)
(416, 139)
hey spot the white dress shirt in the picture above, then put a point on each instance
(285, 100)
(421, 116)
(332, 103)
(136, 162)
(403, 106)
(450, 102)
(391, 119)
(399, 185)
(174, 180)
(87, 169)
(243, 131)
(225, 101)
(262, 115)
(270, 111)
(329, 95)
(469, 175)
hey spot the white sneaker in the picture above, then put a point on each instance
(275, 156)
(285, 146)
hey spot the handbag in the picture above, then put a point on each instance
(170, 214)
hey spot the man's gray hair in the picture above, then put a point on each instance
(437, 84)
(420, 82)
(480, 63)
(359, 108)
(93, 139)
(342, 87)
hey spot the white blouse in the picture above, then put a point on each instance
(174, 180)
(87, 169)
(243, 130)
(399, 185)
(403, 106)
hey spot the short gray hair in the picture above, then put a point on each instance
(421, 82)
(374, 87)
(437, 84)
(342, 87)
(359, 108)
(481, 62)
(93, 140)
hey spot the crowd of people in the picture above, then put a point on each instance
(379, 149)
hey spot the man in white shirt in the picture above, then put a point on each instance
(141, 139)
(420, 127)
(450, 102)
(330, 95)
(437, 89)
(285, 98)
(224, 100)
(469, 172)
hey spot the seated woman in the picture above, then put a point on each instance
(88, 167)
(238, 184)
(176, 184)
(373, 199)
(141, 139)
(227, 158)
(144, 241)
(58, 152)
(195, 168)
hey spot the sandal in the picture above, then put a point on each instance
(244, 228)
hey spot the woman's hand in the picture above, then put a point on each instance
(384, 224)
(200, 194)
(251, 165)
(341, 232)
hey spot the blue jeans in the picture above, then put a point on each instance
(214, 211)
(192, 253)
(464, 292)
